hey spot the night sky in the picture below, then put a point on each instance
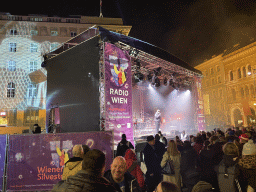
(191, 30)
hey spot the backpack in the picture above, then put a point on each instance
(227, 178)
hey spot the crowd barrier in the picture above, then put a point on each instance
(35, 162)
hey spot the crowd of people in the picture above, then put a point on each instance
(210, 161)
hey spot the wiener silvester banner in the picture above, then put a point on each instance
(35, 162)
(118, 92)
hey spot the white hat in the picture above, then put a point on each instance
(249, 148)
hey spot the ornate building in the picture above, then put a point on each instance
(23, 42)
(228, 87)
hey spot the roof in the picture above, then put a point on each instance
(117, 37)
(146, 47)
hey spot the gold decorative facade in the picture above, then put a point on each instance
(228, 87)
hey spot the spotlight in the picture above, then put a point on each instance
(138, 63)
(157, 82)
(157, 71)
(149, 77)
(138, 77)
(165, 81)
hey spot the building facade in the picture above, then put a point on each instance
(23, 42)
(228, 87)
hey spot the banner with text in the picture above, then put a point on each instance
(35, 162)
(118, 92)
(2, 158)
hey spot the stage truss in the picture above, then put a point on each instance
(149, 63)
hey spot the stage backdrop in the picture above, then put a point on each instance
(118, 92)
(2, 158)
(35, 162)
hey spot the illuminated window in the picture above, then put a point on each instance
(218, 68)
(219, 79)
(32, 66)
(231, 76)
(239, 75)
(34, 32)
(13, 32)
(212, 72)
(11, 66)
(54, 33)
(249, 69)
(11, 89)
(73, 34)
(12, 47)
(33, 47)
(32, 90)
(244, 72)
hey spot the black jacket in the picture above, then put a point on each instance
(122, 147)
(84, 181)
(151, 160)
(188, 162)
(130, 182)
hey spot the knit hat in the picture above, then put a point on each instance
(202, 186)
(249, 148)
(244, 137)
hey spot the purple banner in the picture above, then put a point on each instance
(118, 92)
(2, 158)
(35, 162)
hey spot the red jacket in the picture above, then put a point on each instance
(131, 162)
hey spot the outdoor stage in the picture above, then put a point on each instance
(103, 76)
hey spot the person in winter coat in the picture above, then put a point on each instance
(247, 164)
(119, 177)
(206, 165)
(229, 163)
(153, 175)
(173, 154)
(122, 146)
(133, 167)
(90, 178)
(159, 148)
(188, 170)
(74, 164)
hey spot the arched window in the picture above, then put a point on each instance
(231, 76)
(249, 70)
(239, 75)
(244, 72)
(11, 89)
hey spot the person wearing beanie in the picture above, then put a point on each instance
(247, 164)
(243, 139)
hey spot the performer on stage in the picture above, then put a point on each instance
(157, 120)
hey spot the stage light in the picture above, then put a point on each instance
(138, 63)
(157, 82)
(138, 77)
(149, 77)
(165, 81)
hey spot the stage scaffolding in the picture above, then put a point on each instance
(149, 63)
